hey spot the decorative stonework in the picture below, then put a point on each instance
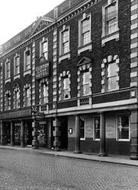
(61, 77)
(106, 61)
(134, 44)
(33, 74)
(1, 87)
(54, 68)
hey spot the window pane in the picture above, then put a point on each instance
(97, 128)
(86, 77)
(66, 83)
(45, 46)
(27, 60)
(110, 19)
(110, 11)
(85, 25)
(86, 89)
(65, 36)
(82, 134)
(112, 83)
(66, 88)
(66, 47)
(86, 38)
(123, 127)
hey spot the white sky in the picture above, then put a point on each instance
(15, 15)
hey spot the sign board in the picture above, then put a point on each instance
(42, 71)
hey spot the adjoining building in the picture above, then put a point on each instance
(70, 80)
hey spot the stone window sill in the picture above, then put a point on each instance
(27, 72)
(110, 37)
(16, 76)
(84, 48)
(7, 80)
(65, 56)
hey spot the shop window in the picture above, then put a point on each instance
(97, 128)
(82, 129)
(123, 127)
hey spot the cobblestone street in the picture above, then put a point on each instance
(22, 170)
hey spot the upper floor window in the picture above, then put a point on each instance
(7, 69)
(123, 127)
(44, 93)
(85, 30)
(110, 18)
(16, 65)
(112, 76)
(44, 48)
(27, 60)
(64, 85)
(65, 88)
(85, 83)
(16, 98)
(7, 101)
(110, 73)
(64, 41)
(27, 98)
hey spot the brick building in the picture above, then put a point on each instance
(69, 80)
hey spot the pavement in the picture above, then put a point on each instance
(115, 159)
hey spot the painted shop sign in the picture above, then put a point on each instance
(42, 71)
(16, 114)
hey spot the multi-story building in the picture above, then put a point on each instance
(70, 80)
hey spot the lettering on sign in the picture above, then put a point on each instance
(42, 71)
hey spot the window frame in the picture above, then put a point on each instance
(83, 120)
(117, 128)
(27, 66)
(7, 69)
(104, 33)
(80, 39)
(94, 132)
(41, 48)
(82, 85)
(42, 97)
(16, 100)
(7, 101)
(61, 40)
(16, 65)
(110, 77)
(63, 90)
(27, 99)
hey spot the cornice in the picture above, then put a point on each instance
(60, 21)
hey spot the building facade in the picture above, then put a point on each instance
(70, 80)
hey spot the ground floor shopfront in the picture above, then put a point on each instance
(103, 133)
